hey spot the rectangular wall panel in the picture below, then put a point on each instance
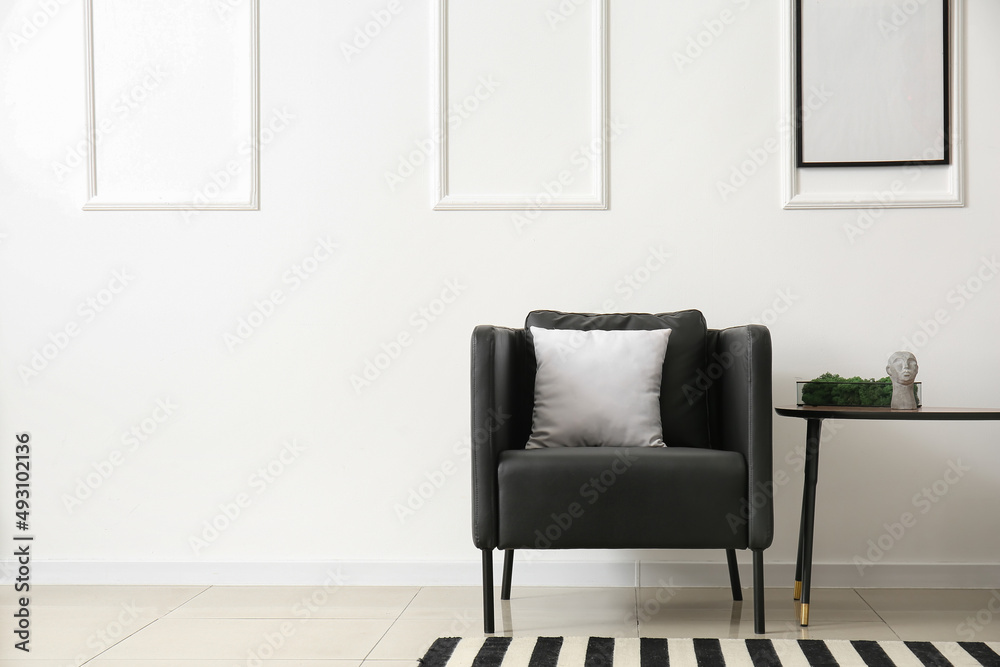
(904, 186)
(173, 108)
(522, 105)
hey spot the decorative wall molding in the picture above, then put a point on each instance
(97, 202)
(445, 199)
(882, 187)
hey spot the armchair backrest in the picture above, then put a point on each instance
(684, 410)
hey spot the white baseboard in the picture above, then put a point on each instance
(527, 572)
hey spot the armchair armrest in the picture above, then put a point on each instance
(743, 402)
(501, 418)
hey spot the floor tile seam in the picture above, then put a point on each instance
(875, 611)
(120, 640)
(189, 600)
(301, 619)
(378, 641)
(408, 603)
(159, 617)
(361, 660)
(395, 620)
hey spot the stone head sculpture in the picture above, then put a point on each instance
(902, 369)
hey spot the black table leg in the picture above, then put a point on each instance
(797, 593)
(813, 429)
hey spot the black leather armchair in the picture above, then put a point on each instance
(709, 488)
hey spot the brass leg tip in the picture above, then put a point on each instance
(805, 614)
(798, 590)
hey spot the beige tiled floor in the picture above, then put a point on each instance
(195, 626)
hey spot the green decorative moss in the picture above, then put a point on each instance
(832, 389)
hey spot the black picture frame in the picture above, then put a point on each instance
(880, 120)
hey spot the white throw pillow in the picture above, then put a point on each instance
(597, 388)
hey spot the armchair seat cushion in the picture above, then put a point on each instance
(629, 497)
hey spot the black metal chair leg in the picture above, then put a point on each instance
(508, 569)
(734, 575)
(758, 591)
(488, 624)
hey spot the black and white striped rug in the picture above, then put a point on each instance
(647, 652)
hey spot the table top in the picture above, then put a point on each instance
(849, 412)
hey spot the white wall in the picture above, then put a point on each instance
(846, 301)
